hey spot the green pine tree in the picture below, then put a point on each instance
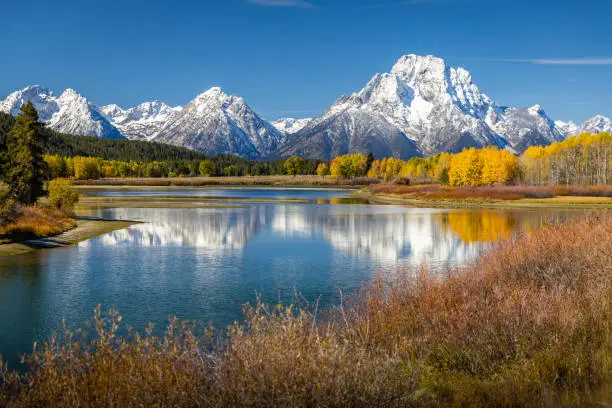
(26, 171)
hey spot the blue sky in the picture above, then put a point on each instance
(295, 57)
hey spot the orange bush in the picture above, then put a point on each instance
(526, 325)
(38, 222)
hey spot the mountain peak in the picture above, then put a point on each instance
(214, 92)
(536, 110)
(408, 62)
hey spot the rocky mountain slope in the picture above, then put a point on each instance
(421, 107)
(141, 122)
(435, 107)
(290, 125)
(215, 122)
(68, 113)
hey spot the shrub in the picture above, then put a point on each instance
(9, 210)
(207, 168)
(401, 181)
(37, 222)
(323, 170)
(526, 325)
(61, 194)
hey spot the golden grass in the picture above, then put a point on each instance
(503, 193)
(37, 222)
(529, 325)
(230, 181)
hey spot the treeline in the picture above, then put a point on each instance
(579, 160)
(88, 168)
(92, 157)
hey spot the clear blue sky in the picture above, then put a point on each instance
(295, 57)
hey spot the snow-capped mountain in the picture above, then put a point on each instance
(567, 128)
(290, 125)
(435, 106)
(597, 124)
(217, 123)
(421, 107)
(141, 122)
(525, 127)
(68, 113)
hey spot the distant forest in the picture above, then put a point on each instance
(180, 159)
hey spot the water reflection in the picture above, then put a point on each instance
(409, 236)
(203, 264)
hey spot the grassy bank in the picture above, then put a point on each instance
(36, 222)
(527, 325)
(83, 229)
(173, 202)
(502, 196)
(231, 181)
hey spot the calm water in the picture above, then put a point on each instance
(204, 264)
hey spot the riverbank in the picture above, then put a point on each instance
(245, 181)
(84, 229)
(488, 197)
(526, 325)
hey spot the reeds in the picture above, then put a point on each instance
(529, 324)
(437, 192)
(37, 222)
(231, 181)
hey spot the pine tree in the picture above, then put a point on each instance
(26, 173)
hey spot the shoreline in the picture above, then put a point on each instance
(568, 202)
(85, 229)
(312, 187)
(307, 182)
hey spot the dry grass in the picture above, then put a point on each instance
(231, 181)
(506, 193)
(37, 222)
(529, 324)
(591, 191)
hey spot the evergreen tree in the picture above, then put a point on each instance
(370, 160)
(25, 174)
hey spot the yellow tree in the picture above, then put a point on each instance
(466, 168)
(498, 166)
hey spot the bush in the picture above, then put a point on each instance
(37, 222)
(9, 210)
(61, 194)
(401, 181)
(526, 325)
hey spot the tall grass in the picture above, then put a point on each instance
(529, 324)
(303, 180)
(437, 192)
(37, 222)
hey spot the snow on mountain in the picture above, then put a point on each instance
(421, 107)
(290, 125)
(68, 113)
(567, 128)
(43, 99)
(217, 123)
(526, 127)
(433, 105)
(141, 122)
(596, 124)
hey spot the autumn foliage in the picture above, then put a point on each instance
(527, 325)
(580, 160)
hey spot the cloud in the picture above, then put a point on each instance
(559, 61)
(283, 3)
(576, 61)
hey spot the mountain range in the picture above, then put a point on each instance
(421, 107)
